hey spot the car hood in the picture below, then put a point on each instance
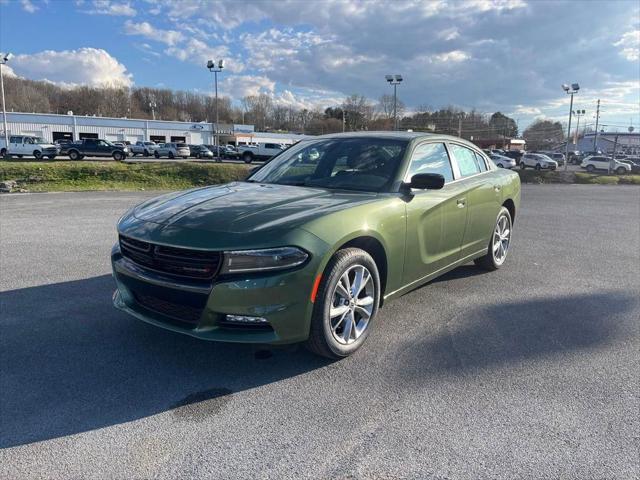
(246, 207)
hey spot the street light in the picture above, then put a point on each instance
(152, 106)
(215, 68)
(578, 114)
(394, 80)
(570, 90)
(5, 58)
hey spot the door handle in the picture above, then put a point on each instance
(461, 202)
(497, 188)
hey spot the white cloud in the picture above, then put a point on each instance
(28, 6)
(198, 52)
(239, 86)
(630, 43)
(449, 34)
(453, 56)
(84, 66)
(146, 30)
(106, 7)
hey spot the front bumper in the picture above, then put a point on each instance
(199, 308)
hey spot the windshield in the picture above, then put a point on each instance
(367, 164)
(39, 140)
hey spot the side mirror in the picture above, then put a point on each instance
(426, 181)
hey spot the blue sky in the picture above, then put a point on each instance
(507, 55)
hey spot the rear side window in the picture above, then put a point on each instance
(182, 145)
(430, 158)
(467, 161)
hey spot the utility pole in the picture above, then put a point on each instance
(460, 127)
(613, 155)
(595, 137)
(394, 80)
(215, 68)
(344, 121)
(570, 90)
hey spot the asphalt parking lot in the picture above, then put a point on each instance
(527, 372)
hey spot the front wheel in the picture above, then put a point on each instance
(145, 153)
(522, 166)
(37, 154)
(3, 152)
(247, 158)
(345, 305)
(499, 165)
(156, 154)
(171, 155)
(621, 171)
(591, 168)
(538, 167)
(117, 156)
(73, 155)
(499, 243)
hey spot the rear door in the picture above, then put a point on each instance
(482, 194)
(436, 219)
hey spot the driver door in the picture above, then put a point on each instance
(436, 219)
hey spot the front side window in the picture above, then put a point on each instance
(366, 164)
(466, 158)
(430, 158)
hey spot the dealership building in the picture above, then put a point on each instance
(54, 127)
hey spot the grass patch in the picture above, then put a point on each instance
(77, 176)
(542, 176)
(595, 179)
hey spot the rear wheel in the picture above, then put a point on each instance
(499, 165)
(538, 167)
(146, 153)
(118, 156)
(171, 155)
(590, 168)
(499, 243)
(74, 155)
(346, 304)
(3, 152)
(522, 166)
(156, 154)
(247, 157)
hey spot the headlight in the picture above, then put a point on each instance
(262, 260)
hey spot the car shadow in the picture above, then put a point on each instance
(505, 334)
(72, 363)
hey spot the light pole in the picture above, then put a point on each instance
(394, 80)
(215, 68)
(570, 90)
(578, 114)
(152, 106)
(5, 58)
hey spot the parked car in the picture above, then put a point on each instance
(537, 161)
(600, 162)
(28, 145)
(200, 151)
(515, 154)
(260, 151)
(575, 157)
(634, 162)
(287, 256)
(502, 162)
(95, 147)
(558, 157)
(145, 149)
(172, 150)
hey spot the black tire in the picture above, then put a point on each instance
(19, 156)
(321, 337)
(198, 156)
(488, 261)
(247, 157)
(538, 167)
(171, 155)
(591, 168)
(118, 156)
(74, 155)
(37, 154)
(522, 166)
(499, 165)
(3, 153)
(156, 154)
(621, 170)
(145, 153)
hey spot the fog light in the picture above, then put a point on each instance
(245, 319)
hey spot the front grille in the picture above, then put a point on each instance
(183, 313)
(179, 262)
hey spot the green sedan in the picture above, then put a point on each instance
(312, 244)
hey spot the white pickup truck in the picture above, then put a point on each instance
(27, 145)
(259, 151)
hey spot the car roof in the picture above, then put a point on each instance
(397, 135)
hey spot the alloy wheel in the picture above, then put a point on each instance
(501, 239)
(352, 304)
